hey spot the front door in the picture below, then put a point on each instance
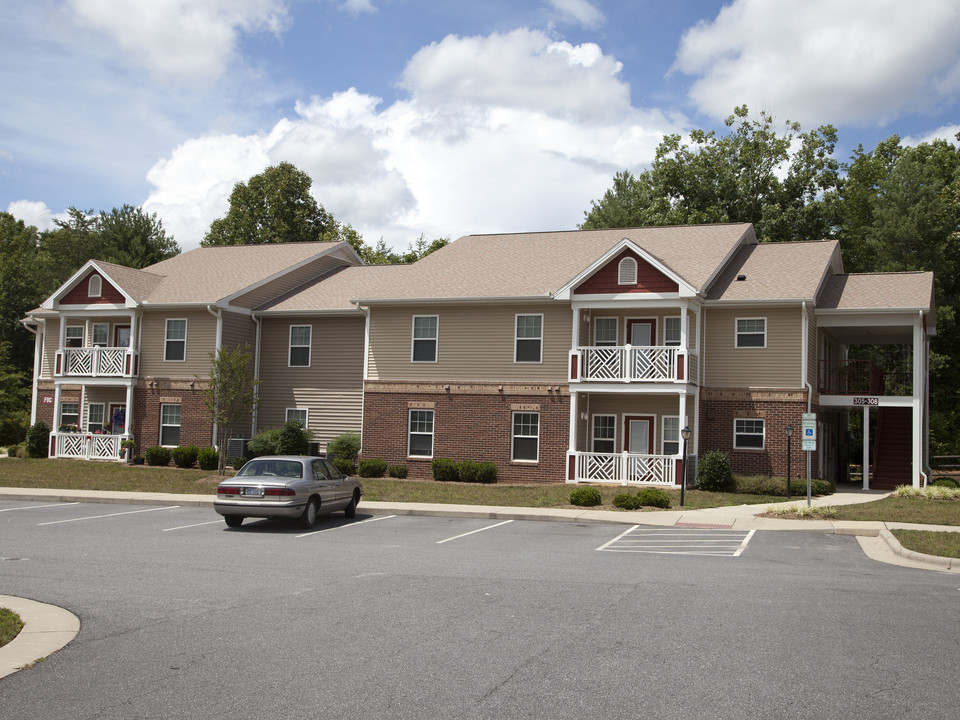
(639, 440)
(118, 418)
(641, 334)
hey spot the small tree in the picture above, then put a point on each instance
(230, 394)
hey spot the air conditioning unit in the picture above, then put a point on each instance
(236, 447)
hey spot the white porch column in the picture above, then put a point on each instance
(918, 399)
(866, 447)
(572, 441)
(129, 410)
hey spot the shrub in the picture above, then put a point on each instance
(627, 501)
(208, 459)
(653, 497)
(585, 496)
(238, 462)
(344, 447)
(263, 443)
(12, 451)
(396, 471)
(487, 473)
(767, 485)
(713, 472)
(185, 455)
(347, 467)
(22, 451)
(371, 467)
(38, 440)
(945, 482)
(444, 470)
(293, 439)
(157, 455)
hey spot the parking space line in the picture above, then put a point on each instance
(184, 527)
(34, 507)
(743, 545)
(625, 532)
(97, 517)
(348, 525)
(488, 527)
(726, 543)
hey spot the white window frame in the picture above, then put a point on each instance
(67, 337)
(72, 414)
(663, 435)
(750, 333)
(298, 410)
(517, 339)
(93, 335)
(594, 438)
(308, 346)
(103, 418)
(514, 436)
(95, 291)
(743, 433)
(627, 275)
(163, 425)
(167, 340)
(415, 339)
(666, 325)
(420, 432)
(596, 333)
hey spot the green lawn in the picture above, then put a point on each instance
(10, 625)
(944, 544)
(903, 509)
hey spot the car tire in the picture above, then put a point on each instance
(233, 520)
(350, 511)
(309, 517)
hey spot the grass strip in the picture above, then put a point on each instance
(903, 509)
(10, 625)
(929, 542)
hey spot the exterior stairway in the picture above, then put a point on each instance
(893, 454)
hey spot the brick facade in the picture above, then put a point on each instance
(195, 426)
(471, 422)
(777, 408)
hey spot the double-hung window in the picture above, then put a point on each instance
(605, 331)
(424, 338)
(751, 332)
(169, 424)
(420, 435)
(95, 417)
(73, 336)
(604, 433)
(528, 345)
(175, 340)
(70, 414)
(671, 435)
(300, 337)
(526, 436)
(671, 331)
(297, 415)
(101, 335)
(748, 433)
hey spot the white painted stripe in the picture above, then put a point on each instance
(184, 527)
(34, 507)
(97, 517)
(488, 527)
(625, 532)
(348, 525)
(743, 545)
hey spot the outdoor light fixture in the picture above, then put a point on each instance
(685, 434)
(789, 431)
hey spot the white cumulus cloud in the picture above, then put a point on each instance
(578, 12)
(825, 61)
(33, 213)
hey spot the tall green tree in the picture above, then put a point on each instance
(229, 395)
(129, 236)
(784, 182)
(380, 254)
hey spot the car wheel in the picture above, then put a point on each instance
(309, 516)
(350, 511)
(233, 520)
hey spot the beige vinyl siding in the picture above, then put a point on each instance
(331, 388)
(776, 365)
(238, 329)
(51, 343)
(201, 341)
(474, 343)
(812, 349)
(586, 331)
(620, 405)
(287, 282)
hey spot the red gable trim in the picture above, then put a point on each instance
(604, 281)
(109, 295)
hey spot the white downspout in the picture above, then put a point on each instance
(216, 313)
(366, 364)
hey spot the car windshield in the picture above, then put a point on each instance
(271, 468)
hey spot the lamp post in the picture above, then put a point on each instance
(789, 431)
(685, 434)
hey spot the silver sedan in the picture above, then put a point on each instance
(287, 486)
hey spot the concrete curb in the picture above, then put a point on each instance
(937, 562)
(46, 629)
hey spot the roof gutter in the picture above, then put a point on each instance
(449, 300)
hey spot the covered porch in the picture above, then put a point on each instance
(92, 420)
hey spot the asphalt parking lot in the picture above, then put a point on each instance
(415, 617)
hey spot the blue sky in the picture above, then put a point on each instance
(442, 118)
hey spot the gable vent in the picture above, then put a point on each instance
(627, 272)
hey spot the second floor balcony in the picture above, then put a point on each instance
(628, 364)
(96, 362)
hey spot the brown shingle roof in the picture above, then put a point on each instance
(136, 283)
(775, 271)
(334, 291)
(878, 291)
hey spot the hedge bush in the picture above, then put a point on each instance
(714, 474)
(157, 455)
(397, 471)
(444, 470)
(945, 482)
(293, 439)
(347, 467)
(263, 443)
(38, 440)
(765, 485)
(653, 497)
(208, 459)
(627, 501)
(185, 455)
(585, 496)
(476, 472)
(372, 468)
(239, 462)
(344, 447)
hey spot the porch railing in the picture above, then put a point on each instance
(87, 446)
(628, 468)
(626, 363)
(96, 362)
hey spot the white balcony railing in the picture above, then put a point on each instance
(96, 362)
(87, 446)
(626, 363)
(628, 468)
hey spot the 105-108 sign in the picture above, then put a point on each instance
(866, 401)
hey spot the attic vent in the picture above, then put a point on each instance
(627, 272)
(741, 278)
(94, 286)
